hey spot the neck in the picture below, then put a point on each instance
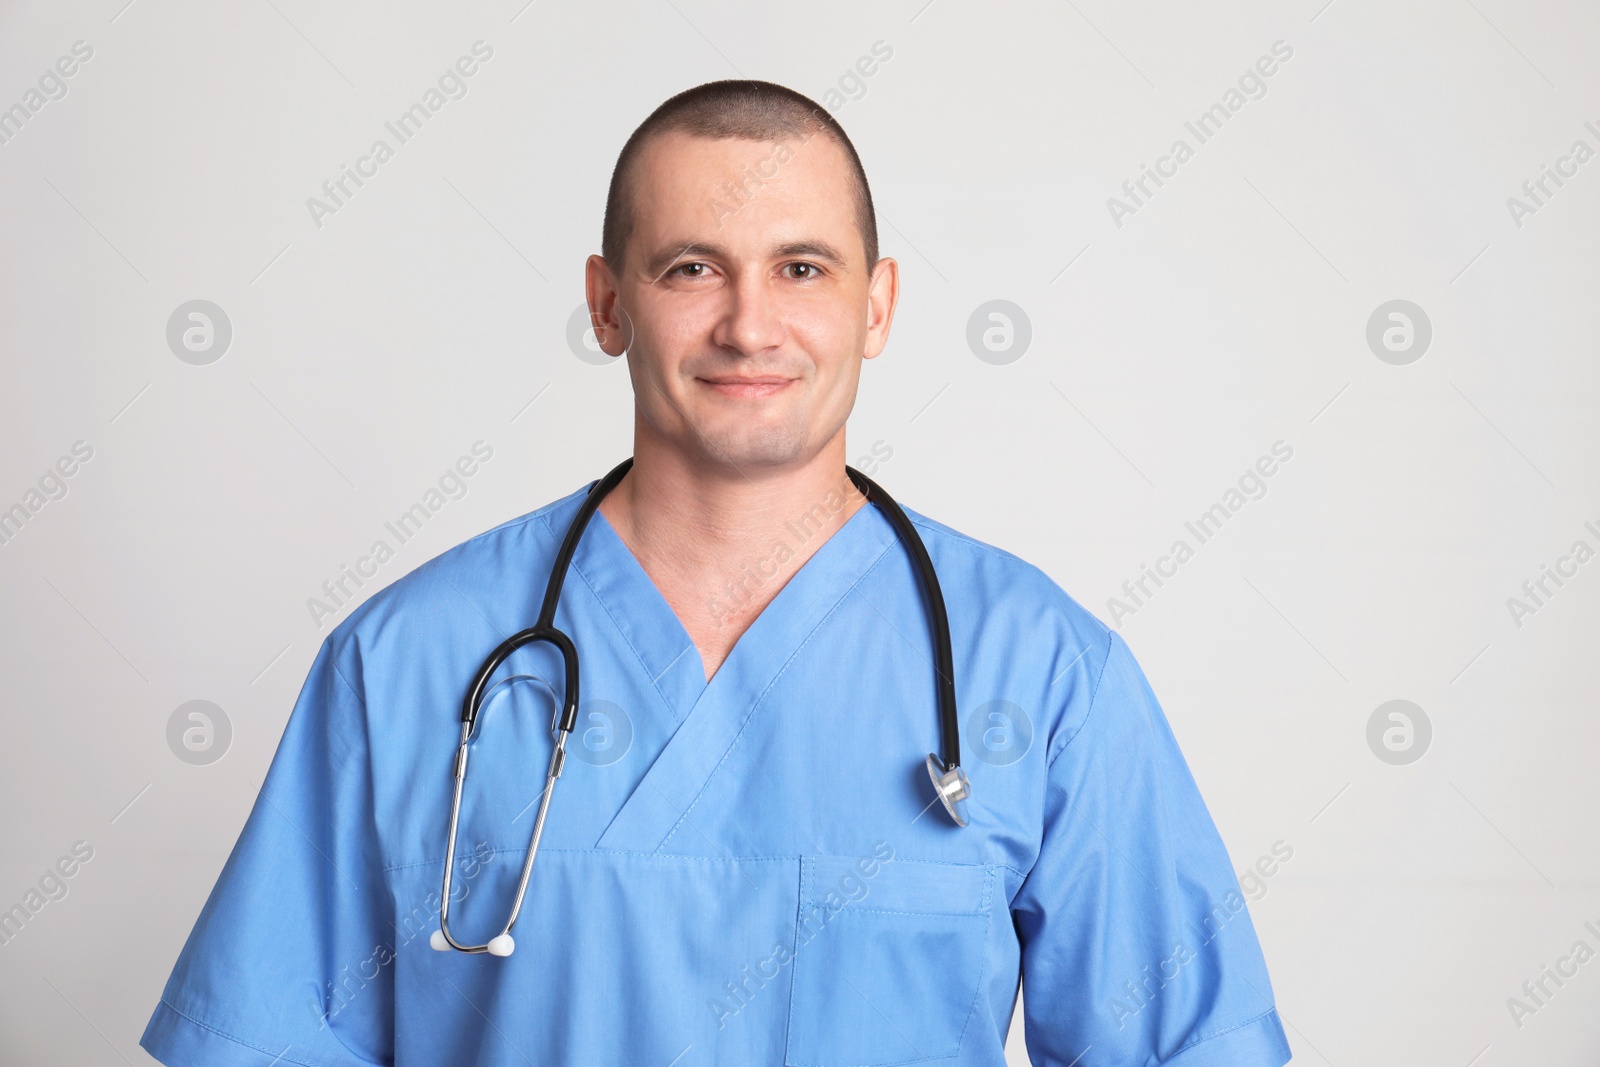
(668, 499)
(719, 542)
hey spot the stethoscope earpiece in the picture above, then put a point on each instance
(499, 945)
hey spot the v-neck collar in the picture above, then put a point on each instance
(711, 714)
(653, 630)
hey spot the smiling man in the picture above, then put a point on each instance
(752, 857)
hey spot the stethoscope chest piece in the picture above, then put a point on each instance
(952, 787)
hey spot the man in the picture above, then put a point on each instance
(746, 861)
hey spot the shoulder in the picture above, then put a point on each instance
(1027, 634)
(1005, 581)
(1020, 615)
(502, 557)
(1050, 645)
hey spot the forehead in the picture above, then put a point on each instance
(743, 194)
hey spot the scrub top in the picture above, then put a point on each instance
(751, 870)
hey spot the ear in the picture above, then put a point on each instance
(883, 293)
(613, 329)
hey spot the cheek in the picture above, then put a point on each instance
(664, 339)
(836, 370)
(847, 380)
(684, 332)
(828, 334)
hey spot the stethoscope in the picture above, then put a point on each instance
(949, 780)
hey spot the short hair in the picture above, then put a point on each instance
(735, 108)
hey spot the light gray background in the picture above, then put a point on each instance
(1167, 354)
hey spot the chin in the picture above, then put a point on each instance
(748, 447)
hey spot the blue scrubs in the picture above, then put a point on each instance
(745, 871)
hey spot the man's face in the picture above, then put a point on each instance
(748, 298)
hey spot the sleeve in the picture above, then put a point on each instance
(1137, 946)
(290, 961)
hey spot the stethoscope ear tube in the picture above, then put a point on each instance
(502, 943)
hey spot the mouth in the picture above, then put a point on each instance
(755, 387)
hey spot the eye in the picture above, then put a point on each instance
(812, 271)
(688, 270)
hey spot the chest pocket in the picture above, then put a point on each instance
(889, 957)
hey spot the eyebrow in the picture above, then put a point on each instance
(658, 263)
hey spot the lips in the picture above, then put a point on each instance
(754, 387)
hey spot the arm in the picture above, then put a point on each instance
(1137, 946)
(278, 968)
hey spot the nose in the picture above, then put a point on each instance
(752, 322)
